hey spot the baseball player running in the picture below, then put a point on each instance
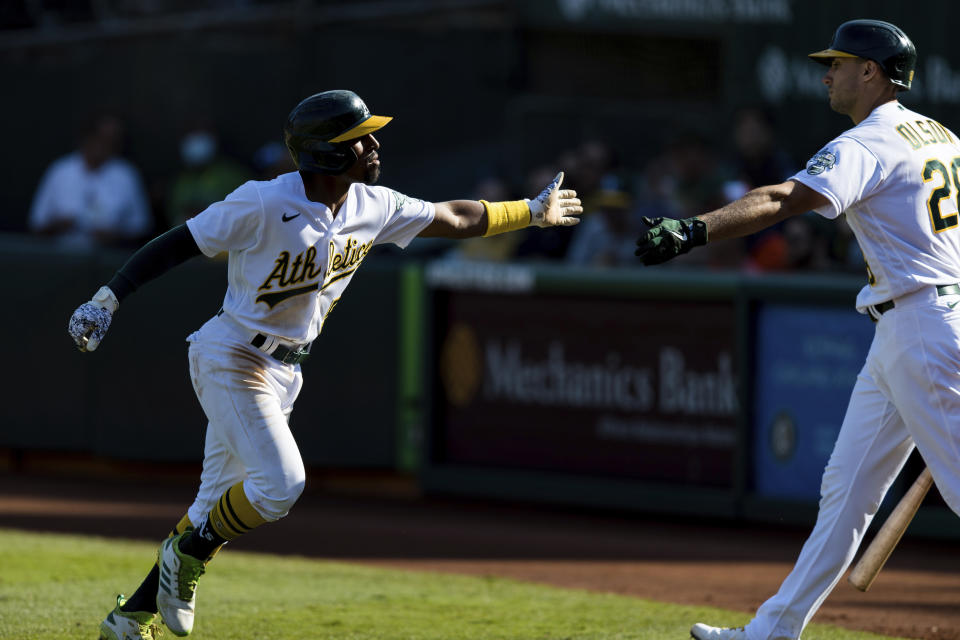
(896, 176)
(294, 243)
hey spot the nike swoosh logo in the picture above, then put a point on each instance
(681, 237)
(285, 218)
(953, 304)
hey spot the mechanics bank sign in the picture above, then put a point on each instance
(782, 76)
(630, 388)
(610, 383)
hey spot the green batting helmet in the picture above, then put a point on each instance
(320, 131)
(884, 43)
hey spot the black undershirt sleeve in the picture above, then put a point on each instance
(153, 260)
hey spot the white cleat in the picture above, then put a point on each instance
(177, 594)
(702, 631)
(129, 625)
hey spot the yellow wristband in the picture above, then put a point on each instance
(506, 216)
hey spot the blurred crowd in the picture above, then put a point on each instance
(690, 175)
(94, 197)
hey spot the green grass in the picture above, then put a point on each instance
(59, 587)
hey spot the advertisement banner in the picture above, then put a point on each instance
(618, 388)
(806, 363)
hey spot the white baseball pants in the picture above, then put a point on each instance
(908, 394)
(247, 397)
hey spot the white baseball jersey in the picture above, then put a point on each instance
(895, 175)
(289, 258)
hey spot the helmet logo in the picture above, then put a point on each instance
(823, 161)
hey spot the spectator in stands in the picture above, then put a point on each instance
(757, 160)
(699, 176)
(607, 235)
(800, 244)
(551, 244)
(497, 248)
(207, 176)
(92, 196)
(686, 179)
(590, 164)
(585, 167)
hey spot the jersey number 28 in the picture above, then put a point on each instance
(951, 183)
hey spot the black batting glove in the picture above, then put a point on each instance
(667, 238)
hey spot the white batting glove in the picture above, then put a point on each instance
(89, 323)
(555, 207)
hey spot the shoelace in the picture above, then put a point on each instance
(190, 571)
(150, 630)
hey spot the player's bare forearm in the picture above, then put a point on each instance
(457, 219)
(470, 218)
(667, 238)
(756, 210)
(761, 208)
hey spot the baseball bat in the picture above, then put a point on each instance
(873, 559)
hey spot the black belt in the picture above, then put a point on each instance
(883, 307)
(284, 354)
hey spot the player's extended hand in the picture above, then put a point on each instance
(555, 207)
(667, 238)
(89, 323)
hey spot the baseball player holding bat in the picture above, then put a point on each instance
(896, 176)
(294, 243)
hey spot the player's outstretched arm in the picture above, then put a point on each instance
(765, 206)
(89, 323)
(470, 218)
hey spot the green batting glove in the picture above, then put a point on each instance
(667, 238)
